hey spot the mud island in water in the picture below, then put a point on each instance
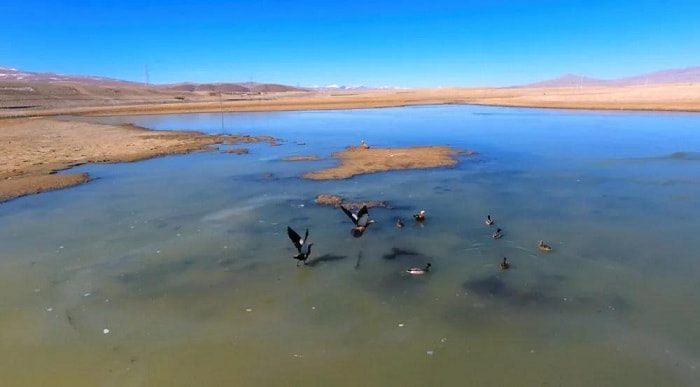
(356, 160)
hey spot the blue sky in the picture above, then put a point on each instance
(397, 43)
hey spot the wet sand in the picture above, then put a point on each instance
(356, 160)
(33, 150)
(302, 158)
(335, 201)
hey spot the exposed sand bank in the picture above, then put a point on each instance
(356, 160)
(32, 150)
(336, 201)
(302, 158)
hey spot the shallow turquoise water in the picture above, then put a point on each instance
(186, 262)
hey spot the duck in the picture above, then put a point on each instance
(419, 270)
(489, 221)
(419, 216)
(505, 265)
(364, 144)
(360, 219)
(544, 247)
(303, 249)
(498, 234)
(399, 223)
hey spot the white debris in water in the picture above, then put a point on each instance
(248, 310)
(87, 294)
(297, 355)
(225, 247)
(106, 299)
(443, 340)
(60, 247)
(157, 251)
(178, 234)
(532, 351)
(401, 325)
(131, 227)
(49, 309)
(313, 308)
(105, 331)
(37, 290)
(301, 206)
(430, 353)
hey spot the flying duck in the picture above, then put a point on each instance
(544, 247)
(505, 265)
(299, 242)
(498, 234)
(489, 221)
(419, 270)
(419, 216)
(361, 220)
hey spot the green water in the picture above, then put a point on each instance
(186, 263)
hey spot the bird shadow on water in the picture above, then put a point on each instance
(546, 292)
(325, 258)
(397, 252)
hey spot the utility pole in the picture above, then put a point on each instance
(221, 106)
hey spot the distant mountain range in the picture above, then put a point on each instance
(686, 75)
(11, 74)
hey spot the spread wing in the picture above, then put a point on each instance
(350, 215)
(296, 239)
(363, 215)
(363, 211)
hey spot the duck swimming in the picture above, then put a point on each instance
(498, 234)
(419, 270)
(303, 249)
(399, 223)
(419, 216)
(489, 221)
(361, 220)
(544, 247)
(505, 265)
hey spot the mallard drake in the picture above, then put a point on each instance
(489, 221)
(303, 249)
(364, 145)
(544, 247)
(399, 223)
(419, 270)
(361, 220)
(419, 216)
(505, 265)
(498, 234)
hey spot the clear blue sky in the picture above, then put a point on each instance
(398, 43)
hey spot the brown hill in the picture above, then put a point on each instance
(685, 75)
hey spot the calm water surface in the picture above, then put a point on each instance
(177, 271)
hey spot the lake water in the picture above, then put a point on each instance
(177, 271)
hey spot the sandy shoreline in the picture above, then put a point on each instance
(33, 150)
(673, 97)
